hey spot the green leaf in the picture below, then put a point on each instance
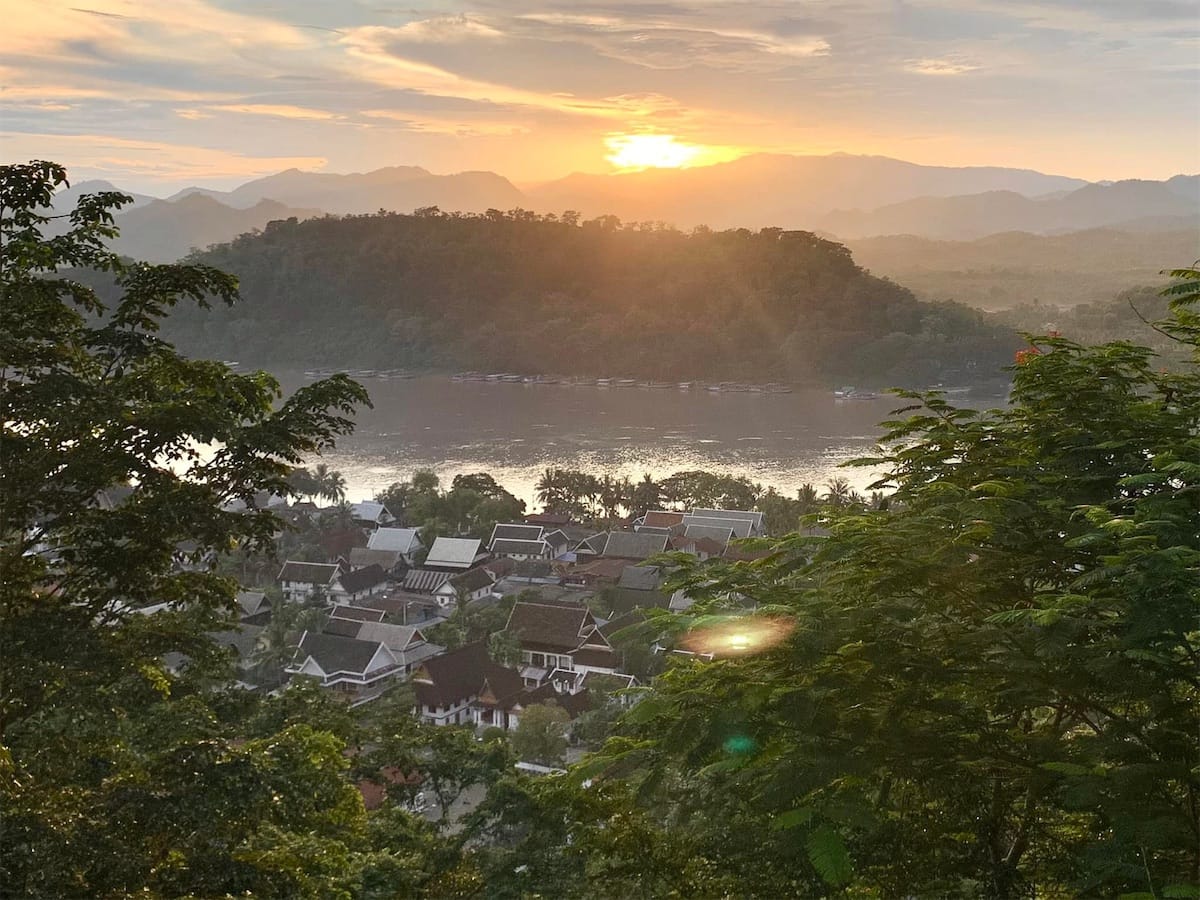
(1181, 891)
(827, 852)
(1065, 768)
(792, 818)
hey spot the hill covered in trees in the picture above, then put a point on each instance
(1016, 268)
(527, 293)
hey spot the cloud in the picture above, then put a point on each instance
(660, 43)
(445, 30)
(279, 111)
(939, 67)
(107, 156)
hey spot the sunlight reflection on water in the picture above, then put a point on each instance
(515, 431)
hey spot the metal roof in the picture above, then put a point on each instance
(740, 527)
(401, 539)
(634, 544)
(458, 553)
(422, 581)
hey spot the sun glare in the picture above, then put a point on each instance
(661, 151)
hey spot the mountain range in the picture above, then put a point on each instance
(1128, 205)
(842, 196)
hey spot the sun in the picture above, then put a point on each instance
(661, 151)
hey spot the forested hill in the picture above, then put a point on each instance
(525, 293)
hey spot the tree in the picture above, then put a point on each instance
(303, 483)
(838, 492)
(504, 648)
(989, 687)
(645, 495)
(330, 485)
(541, 735)
(103, 481)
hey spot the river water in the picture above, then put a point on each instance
(515, 431)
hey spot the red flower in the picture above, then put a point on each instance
(1023, 356)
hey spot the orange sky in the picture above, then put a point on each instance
(158, 95)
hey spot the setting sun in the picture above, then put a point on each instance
(662, 151)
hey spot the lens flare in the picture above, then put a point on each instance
(738, 636)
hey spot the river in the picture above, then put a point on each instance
(515, 431)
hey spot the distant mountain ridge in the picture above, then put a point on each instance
(765, 190)
(1018, 268)
(846, 196)
(166, 230)
(399, 188)
(1174, 203)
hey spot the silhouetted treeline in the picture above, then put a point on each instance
(527, 293)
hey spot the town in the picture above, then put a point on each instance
(482, 629)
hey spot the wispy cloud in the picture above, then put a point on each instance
(113, 157)
(537, 85)
(939, 67)
(280, 111)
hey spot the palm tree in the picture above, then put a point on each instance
(645, 495)
(551, 492)
(808, 498)
(838, 492)
(330, 485)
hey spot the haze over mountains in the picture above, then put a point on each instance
(852, 198)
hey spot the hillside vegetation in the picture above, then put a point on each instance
(530, 293)
(1017, 267)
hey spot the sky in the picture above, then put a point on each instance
(157, 94)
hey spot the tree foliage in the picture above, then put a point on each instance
(991, 686)
(118, 457)
(522, 292)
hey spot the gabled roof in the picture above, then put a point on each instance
(630, 680)
(625, 599)
(501, 687)
(740, 527)
(423, 581)
(634, 545)
(652, 529)
(515, 533)
(342, 627)
(722, 534)
(610, 569)
(243, 640)
(711, 547)
(558, 627)
(356, 613)
(662, 518)
(557, 540)
(252, 602)
(471, 580)
(362, 579)
(403, 540)
(612, 626)
(500, 567)
(576, 704)
(394, 637)
(593, 544)
(455, 676)
(453, 553)
(547, 519)
(601, 658)
(308, 573)
(360, 557)
(514, 546)
(334, 653)
(754, 517)
(641, 578)
(369, 511)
